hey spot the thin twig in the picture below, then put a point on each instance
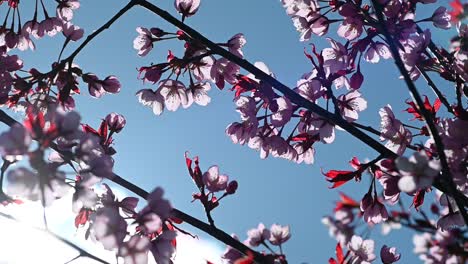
(82, 252)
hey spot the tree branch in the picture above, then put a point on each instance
(451, 187)
(207, 228)
(293, 96)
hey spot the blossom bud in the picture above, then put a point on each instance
(232, 187)
(115, 122)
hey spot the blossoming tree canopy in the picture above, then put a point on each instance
(317, 97)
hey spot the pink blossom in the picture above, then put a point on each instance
(135, 250)
(418, 172)
(391, 191)
(199, 93)
(441, 18)
(224, 71)
(350, 104)
(94, 85)
(152, 73)
(376, 51)
(350, 28)
(25, 183)
(109, 228)
(392, 129)
(144, 42)
(283, 113)
(257, 236)
(153, 99)
(374, 211)
(150, 222)
(214, 181)
(72, 32)
(84, 197)
(311, 89)
(65, 9)
(335, 58)
(162, 247)
(116, 122)
(236, 43)
(388, 255)
(316, 24)
(157, 204)
(362, 250)
(174, 94)
(50, 26)
(111, 84)
(279, 234)
(15, 142)
(241, 133)
(187, 7)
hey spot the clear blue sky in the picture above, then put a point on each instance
(150, 149)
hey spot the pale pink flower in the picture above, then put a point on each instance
(335, 58)
(65, 9)
(350, 28)
(350, 104)
(25, 183)
(441, 18)
(116, 122)
(153, 99)
(162, 247)
(279, 234)
(236, 43)
(94, 85)
(283, 113)
(374, 211)
(388, 255)
(224, 71)
(241, 133)
(157, 204)
(72, 32)
(15, 142)
(144, 42)
(187, 7)
(214, 181)
(150, 222)
(109, 227)
(111, 84)
(174, 94)
(391, 191)
(257, 236)
(392, 129)
(84, 197)
(376, 51)
(135, 250)
(311, 89)
(50, 26)
(362, 250)
(418, 172)
(199, 93)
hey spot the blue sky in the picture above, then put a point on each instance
(150, 149)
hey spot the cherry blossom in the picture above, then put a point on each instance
(418, 172)
(236, 43)
(362, 250)
(257, 236)
(153, 99)
(135, 250)
(109, 228)
(116, 122)
(392, 129)
(279, 234)
(441, 18)
(350, 104)
(15, 142)
(214, 181)
(144, 42)
(388, 255)
(65, 9)
(187, 7)
(72, 32)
